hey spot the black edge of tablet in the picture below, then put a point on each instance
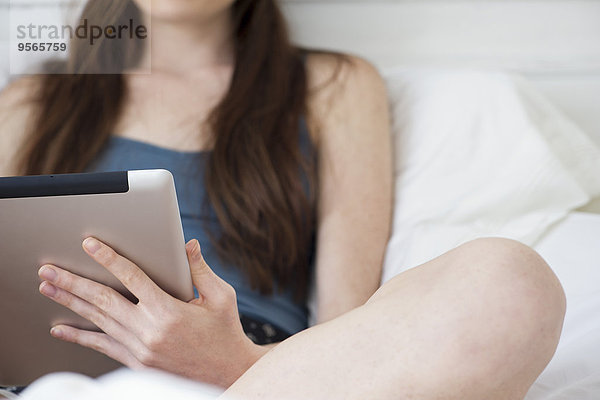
(63, 184)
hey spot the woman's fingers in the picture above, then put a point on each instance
(93, 314)
(132, 277)
(104, 298)
(100, 342)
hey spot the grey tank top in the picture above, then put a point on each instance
(122, 154)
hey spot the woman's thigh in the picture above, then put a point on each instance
(480, 321)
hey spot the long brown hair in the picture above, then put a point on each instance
(256, 170)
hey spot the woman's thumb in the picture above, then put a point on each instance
(203, 277)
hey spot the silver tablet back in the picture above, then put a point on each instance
(45, 221)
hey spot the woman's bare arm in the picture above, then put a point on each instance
(349, 115)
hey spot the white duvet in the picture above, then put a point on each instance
(478, 154)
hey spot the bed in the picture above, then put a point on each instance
(514, 86)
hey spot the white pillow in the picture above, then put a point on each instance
(479, 154)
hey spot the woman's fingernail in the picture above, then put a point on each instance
(91, 244)
(56, 332)
(47, 273)
(196, 249)
(47, 289)
(189, 245)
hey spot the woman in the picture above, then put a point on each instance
(292, 150)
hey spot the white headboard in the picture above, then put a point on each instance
(554, 43)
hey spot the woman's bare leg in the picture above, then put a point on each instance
(479, 322)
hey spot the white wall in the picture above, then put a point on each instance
(554, 35)
(3, 42)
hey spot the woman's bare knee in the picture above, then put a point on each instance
(517, 266)
(497, 262)
(502, 309)
(527, 299)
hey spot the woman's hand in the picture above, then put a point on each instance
(202, 339)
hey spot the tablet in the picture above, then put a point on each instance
(44, 219)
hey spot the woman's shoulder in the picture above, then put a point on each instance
(341, 86)
(17, 102)
(330, 70)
